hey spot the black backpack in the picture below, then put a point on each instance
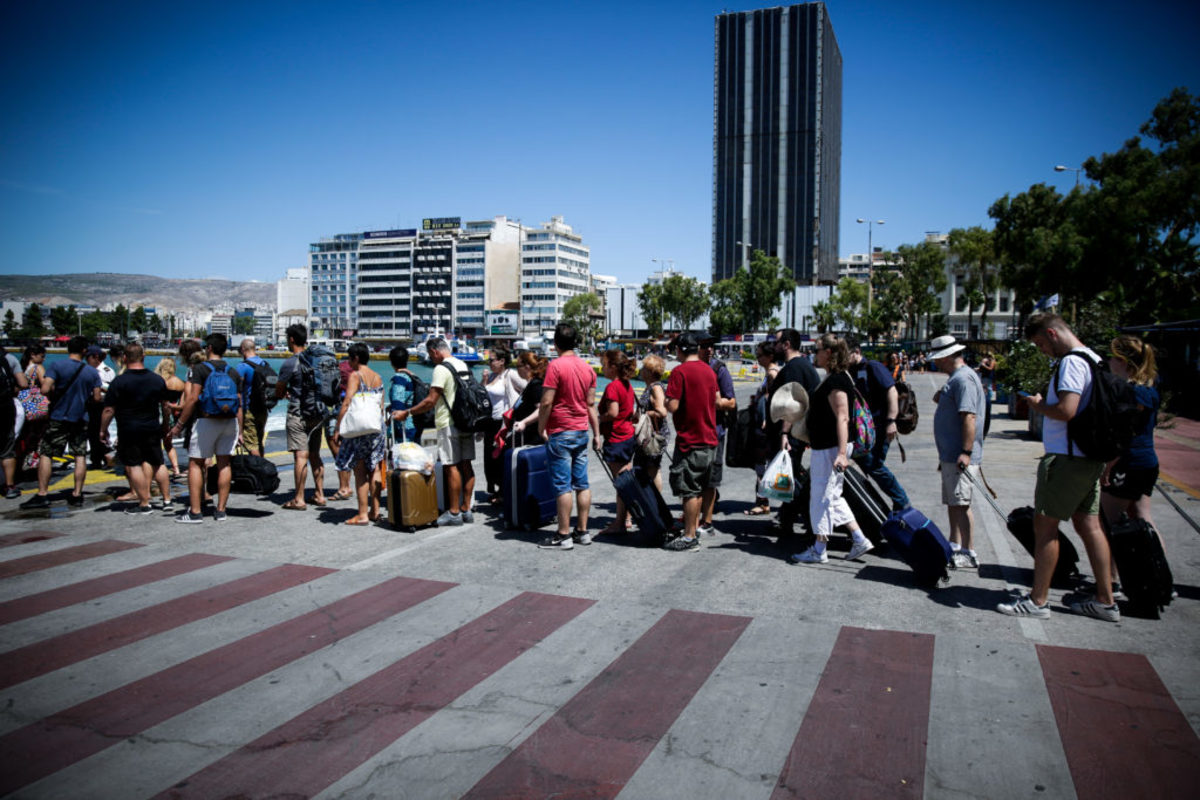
(472, 409)
(8, 382)
(1105, 427)
(262, 387)
(319, 379)
(420, 390)
(907, 414)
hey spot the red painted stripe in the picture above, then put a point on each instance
(595, 742)
(40, 749)
(70, 648)
(11, 539)
(68, 555)
(1121, 730)
(53, 599)
(865, 731)
(315, 749)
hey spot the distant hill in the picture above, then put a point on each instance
(102, 288)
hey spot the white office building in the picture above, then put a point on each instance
(555, 266)
(292, 292)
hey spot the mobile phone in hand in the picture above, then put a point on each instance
(1023, 394)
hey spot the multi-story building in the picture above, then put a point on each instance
(333, 271)
(292, 293)
(965, 323)
(221, 323)
(777, 141)
(385, 291)
(555, 266)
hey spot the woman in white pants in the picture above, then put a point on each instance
(830, 436)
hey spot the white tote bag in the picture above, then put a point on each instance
(778, 482)
(364, 417)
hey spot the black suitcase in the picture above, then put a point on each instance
(745, 445)
(250, 475)
(646, 506)
(866, 503)
(1142, 566)
(1066, 571)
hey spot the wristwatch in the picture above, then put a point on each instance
(967, 452)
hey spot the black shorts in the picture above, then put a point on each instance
(1131, 483)
(135, 448)
(619, 452)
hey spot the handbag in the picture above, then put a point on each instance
(364, 417)
(649, 440)
(36, 404)
(778, 481)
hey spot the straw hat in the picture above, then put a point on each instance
(944, 346)
(789, 404)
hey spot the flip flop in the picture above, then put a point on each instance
(339, 496)
(352, 522)
(757, 511)
(292, 505)
(324, 501)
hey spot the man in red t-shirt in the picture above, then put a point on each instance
(692, 400)
(567, 411)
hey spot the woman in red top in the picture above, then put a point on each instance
(618, 407)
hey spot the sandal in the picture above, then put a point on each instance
(338, 496)
(324, 501)
(353, 521)
(757, 511)
(292, 505)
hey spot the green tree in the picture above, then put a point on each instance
(155, 324)
(63, 321)
(849, 304)
(32, 324)
(118, 320)
(10, 323)
(684, 300)
(824, 316)
(578, 311)
(891, 303)
(93, 323)
(138, 321)
(243, 326)
(976, 253)
(763, 287)
(726, 315)
(650, 303)
(923, 279)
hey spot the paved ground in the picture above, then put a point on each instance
(283, 654)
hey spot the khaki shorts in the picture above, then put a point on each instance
(454, 447)
(304, 434)
(213, 436)
(1067, 485)
(956, 484)
(254, 432)
(691, 472)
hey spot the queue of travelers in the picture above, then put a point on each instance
(220, 407)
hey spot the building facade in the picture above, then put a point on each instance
(333, 282)
(555, 266)
(777, 141)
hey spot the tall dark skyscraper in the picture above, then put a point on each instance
(777, 140)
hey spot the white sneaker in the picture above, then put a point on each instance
(1024, 607)
(859, 549)
(1093, 608)
(810, 556)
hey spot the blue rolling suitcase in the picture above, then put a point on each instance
(919, 542)
(529, 499)
(647, 508)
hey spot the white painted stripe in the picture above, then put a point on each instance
(78, 571)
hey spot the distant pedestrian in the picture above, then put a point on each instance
(504, 389)
(362, 454)
(70, 384)
(566, 413)
(1068, 483)
(895, 365)
(765, 356)
(97, 450)
(303, 433)
(213, 398)
(874, 382)
(726, 413)
(692, 393)
(987, 374)
(254, 370)
(165, 369)
(137, 399)
(829, 432)
(958, 434)
(455, 449)
(618, 407)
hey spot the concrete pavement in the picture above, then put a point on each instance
(283, 653)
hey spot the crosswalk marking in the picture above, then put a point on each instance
(26, 537)
(65, 555)
(356, 684)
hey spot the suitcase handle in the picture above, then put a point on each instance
(983, 491)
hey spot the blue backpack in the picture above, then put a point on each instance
(220, 396)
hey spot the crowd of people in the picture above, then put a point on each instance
(219, 407)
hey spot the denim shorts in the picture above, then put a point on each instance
(620, 452)
(568, 461)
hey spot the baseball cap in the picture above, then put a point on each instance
(93, 350)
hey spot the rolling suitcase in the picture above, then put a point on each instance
(920, 543)
(411, 500)
(1020, 525)
(646, 506)
(529, 499)
(866, 503)
(1142, 566)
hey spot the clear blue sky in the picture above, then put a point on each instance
(217, 139)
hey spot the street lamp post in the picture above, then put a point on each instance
(745, 253)
(1076, 170)
(871, 223)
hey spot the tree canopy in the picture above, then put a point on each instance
(747, 300)
(578, 311)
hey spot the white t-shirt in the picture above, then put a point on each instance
(1073, 376)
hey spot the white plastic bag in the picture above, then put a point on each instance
(778, 482)
(411, 456)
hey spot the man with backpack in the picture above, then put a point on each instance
(874, 382)
(303, 380)
(1068, 481)
(258, 396)
(213, 396)
(455, 440)
(70, 385)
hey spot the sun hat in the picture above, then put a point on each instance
(944, 346)
(789, 404)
